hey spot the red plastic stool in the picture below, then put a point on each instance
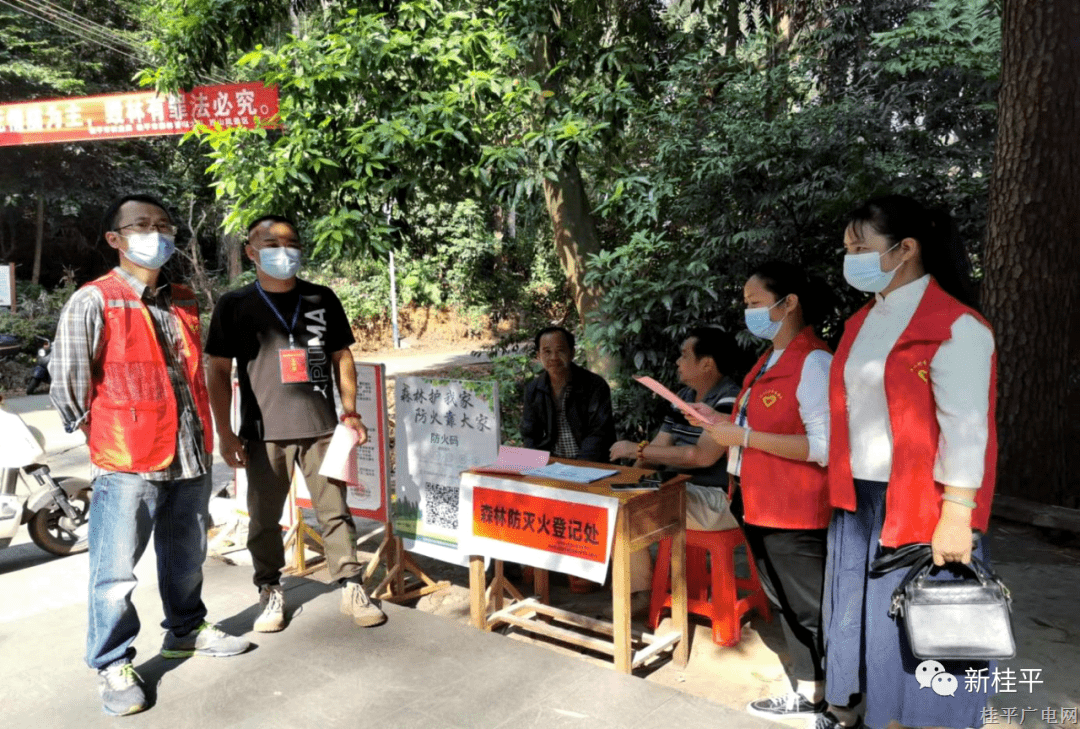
(725, 608)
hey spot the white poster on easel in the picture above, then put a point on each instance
(443, 428)
(7, 286)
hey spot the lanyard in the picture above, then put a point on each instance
(296, 314)
(745, 404)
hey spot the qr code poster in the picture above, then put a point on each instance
(443, 428)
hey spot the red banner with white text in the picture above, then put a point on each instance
(137, 114)
(564, 530)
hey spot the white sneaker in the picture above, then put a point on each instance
(272, 602)
(355, 602)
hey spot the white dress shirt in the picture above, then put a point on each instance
(959, 375)
(813, 396)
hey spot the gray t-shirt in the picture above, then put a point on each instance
(286, 389)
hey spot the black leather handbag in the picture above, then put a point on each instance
(965, 619)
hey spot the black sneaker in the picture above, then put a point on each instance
(787, 706)
(828, 720)
(121, 690)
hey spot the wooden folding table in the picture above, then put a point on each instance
(644, 517)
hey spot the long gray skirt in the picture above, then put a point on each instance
(866, 651)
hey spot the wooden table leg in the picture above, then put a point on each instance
(620, 593)
(497, 594)
(398, 587)
(542, 585)
(679, 618)
(477, 588)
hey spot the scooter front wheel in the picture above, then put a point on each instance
(54, 532)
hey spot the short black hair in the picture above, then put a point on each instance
(109, 219)
(714, 342)
(272, 219)
(567, 334)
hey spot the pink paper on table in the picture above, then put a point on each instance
(340, 459)
(675, 399)
(515, 460)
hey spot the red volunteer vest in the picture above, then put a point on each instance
(913, 498)
(133, 414)
(779, 492)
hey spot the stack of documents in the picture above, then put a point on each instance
(515, 461)
(575, 474)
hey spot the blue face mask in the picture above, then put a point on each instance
(760, 325)
(863, 271)
(149, 250)
(280, 263)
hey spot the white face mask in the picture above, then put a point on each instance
(759, 324)
(280, 263)
(149, 250)
(863, 271)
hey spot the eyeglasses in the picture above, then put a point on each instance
(165, 228)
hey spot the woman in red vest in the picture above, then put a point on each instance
(911, 458)
(778, 438)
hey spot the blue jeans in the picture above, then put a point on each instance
(124, 510)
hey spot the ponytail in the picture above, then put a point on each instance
(782, 278)
(943, 256)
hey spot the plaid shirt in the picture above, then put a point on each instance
(565, 445)
(75, 353)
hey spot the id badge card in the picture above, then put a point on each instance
(293, 365)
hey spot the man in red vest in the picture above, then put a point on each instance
(127, 370)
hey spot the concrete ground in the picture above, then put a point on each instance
(426, 667)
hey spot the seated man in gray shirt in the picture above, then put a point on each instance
(707, 365)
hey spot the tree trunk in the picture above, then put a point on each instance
(39, 239)
(569, 210)
(733, 28)
(1033, 249)
(230, 251)
(575, 238)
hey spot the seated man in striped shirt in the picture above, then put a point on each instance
(708, 367)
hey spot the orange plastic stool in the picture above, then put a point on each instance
(725, 608)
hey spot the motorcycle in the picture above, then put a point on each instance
(41, 367)
(57, 511)
(9, 345)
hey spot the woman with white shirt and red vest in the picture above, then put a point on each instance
(778, 440)
(912, 456)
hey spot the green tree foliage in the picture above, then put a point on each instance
(375, 107)
(596, 65)
(43, 55)
(695, 138)
(452, 259)
(757, 156)
(81, 47)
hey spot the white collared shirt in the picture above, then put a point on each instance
(959, 375)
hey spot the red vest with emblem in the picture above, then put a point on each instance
(779, 492)
(913, 498)
(133, 413)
